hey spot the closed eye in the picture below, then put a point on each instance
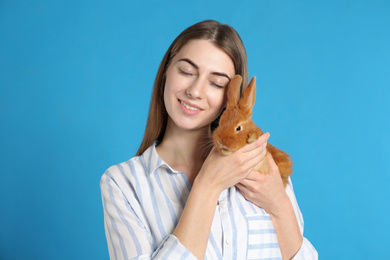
(185, 72)
(216, 85)
(219, 81)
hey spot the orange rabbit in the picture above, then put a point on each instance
(237, 129)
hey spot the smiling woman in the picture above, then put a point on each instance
(178, 200)
(195, 86)
(222, 36)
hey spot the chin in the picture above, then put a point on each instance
(186, 125)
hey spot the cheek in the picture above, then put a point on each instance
(169, 89)
(166, 91)
(168, 95)
(166, 101)
(169, 82)
(218, 99)
(174, 84)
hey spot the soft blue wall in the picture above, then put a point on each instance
(76, 78)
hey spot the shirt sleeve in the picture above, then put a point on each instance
(127, 237)
(307, 250)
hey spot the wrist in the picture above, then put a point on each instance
(287, 229)
(281, 207)
(206, 188)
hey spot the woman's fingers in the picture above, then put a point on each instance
(251, 154)
(226, 171)
(255, 157)
(272, 164)
(256, 149)
(252, 177)
(243, 189)
(260, 142)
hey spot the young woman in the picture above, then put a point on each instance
(175, 200)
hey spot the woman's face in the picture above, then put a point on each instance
(195, 85)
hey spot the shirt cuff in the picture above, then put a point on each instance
(306, 252)
(171, 248)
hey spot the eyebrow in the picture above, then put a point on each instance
(197, 67)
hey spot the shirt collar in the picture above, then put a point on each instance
(152, 160)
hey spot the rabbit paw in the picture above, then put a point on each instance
(252, 138)
(226, 151)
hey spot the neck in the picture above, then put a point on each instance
(185, 150)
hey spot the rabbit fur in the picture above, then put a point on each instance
(236, 128)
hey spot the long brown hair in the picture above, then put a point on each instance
(223, 36)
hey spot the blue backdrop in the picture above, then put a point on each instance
(76, 79)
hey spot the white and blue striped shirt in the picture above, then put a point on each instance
(144, 197)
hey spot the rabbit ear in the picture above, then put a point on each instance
(233, 92)
(248, 97)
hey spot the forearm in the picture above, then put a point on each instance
(194, 226)
(287, 229)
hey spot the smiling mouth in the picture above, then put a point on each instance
(188, 106)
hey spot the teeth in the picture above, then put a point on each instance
(187, 106)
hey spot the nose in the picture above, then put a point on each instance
(197, 89)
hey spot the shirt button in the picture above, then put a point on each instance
(228, 241)
(223, 204)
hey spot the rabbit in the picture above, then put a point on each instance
(236, 128)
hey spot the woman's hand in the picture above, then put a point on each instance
(218, 172)
(265, 190)
(221, 172)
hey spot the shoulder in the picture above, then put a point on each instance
(120, 183)
(128, 173)
(124, 172)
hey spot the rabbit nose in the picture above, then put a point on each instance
(223, 146)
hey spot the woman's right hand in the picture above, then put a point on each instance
(220, 172)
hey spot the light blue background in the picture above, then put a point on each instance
(76, 79)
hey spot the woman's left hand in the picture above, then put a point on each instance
(265, 190)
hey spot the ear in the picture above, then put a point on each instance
(248, 97)
(233, 92)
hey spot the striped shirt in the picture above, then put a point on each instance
(144, 197)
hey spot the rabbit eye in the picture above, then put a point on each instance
(238, 128)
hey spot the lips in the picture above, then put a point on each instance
(189, 108)
(189, 105)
